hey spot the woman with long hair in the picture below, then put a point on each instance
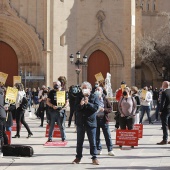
(20, 118)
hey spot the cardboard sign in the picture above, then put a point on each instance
(143, 94)
(11, 95)
(127, 137)
(8, 133)
(16, 79)
(56, 143)
(61, 98)
(99, 77)
(3, 78)
(139, 127)
(56, 131)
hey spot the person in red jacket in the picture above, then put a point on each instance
(118, 97)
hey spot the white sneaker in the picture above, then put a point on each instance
(99, 152)
(111, 153)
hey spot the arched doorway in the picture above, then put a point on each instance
(98, 62)
(8, 62)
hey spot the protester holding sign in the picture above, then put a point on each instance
(127, 108)
(103, 122)
(20, 117)
(57, 105)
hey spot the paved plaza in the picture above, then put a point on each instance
(147, 156)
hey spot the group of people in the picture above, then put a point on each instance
(91, 108)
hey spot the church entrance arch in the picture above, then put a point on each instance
(97, 62)
(8, 62)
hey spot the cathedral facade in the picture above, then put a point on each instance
(37, 38)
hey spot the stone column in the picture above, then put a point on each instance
(138, 30)
(47, 42)
(133, 25)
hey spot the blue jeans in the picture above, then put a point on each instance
(106, 131)
(146, 109)
(56, 117)
(91, 134)
(165, 117)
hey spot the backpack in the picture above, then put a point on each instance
(24, 103)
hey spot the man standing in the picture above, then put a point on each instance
(165, 112)
(56, 112)
(86, 107)
(146, 104)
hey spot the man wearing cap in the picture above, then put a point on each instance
(56, 111)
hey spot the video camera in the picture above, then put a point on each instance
(75, 89)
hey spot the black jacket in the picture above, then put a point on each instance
(165, 101)
(2, 110)
(86, 114)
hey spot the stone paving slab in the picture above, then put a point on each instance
(147, 156)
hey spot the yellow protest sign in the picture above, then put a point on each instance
(16, 79)
(11, 95)
(99, 77)
(143, 94)
(3, 78)
(123, 86)
(61, 98)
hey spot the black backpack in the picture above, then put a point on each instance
(24, 103)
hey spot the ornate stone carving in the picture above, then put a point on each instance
(108, 85)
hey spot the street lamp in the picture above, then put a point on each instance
(78, 63)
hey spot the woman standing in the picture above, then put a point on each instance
(20, 118)
(43, 105)
(103, 122)
(127, 108)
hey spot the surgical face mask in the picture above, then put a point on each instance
(96, 85)
(124, 93)
(98, 93)
(86, 91)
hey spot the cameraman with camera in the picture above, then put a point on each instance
(86, 107)
(72, 94)
(56, 112)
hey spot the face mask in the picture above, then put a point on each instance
(56, 86)
(124, 93)
(85, 91)
(98, 93)
(96, 85)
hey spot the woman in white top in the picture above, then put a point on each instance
(20, 111)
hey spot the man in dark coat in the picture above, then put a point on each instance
(165, 111)
(86, 107)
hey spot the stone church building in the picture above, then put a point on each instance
(37, 38)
